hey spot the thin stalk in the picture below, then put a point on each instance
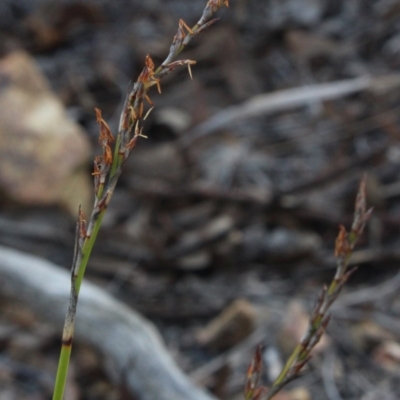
(117, 159)
(108, 166)
(68, 331)
(62, 371)
(282, 376)
(319, 318)
(87, 250)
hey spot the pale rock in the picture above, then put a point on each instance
(44, 154)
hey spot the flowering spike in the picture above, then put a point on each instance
(341, 245)
(133, 114)
(158, 86)
(139, 131)
(182, 25)
(214, 5)
(107, 171)
(361, 214)
(107, 155)
(146, 77)
(180, 34)
(98, 160)
(147, 70)
(131, 144)
(105, 132)
(149, 63)
(149, 101)
(82, 224)
(252, 389)
(207, 25)
(148, 113)
(346, 276)
(141, 106)
(190, 71)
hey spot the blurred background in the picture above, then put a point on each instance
(222, 227)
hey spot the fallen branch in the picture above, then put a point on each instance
(288, 99)
(132, 347)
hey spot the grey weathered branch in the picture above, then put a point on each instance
(132, 347)
(289, 99)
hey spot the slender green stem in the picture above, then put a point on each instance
(63, 363)
(61, 378)
(288, 364)
(117, 160)
(87, 250)
(83, 253)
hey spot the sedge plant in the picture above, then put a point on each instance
(319, 318)
(108, 167)
(107, 170)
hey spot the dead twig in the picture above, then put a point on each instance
(132, 348)
(288, 99)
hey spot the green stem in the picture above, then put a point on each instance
(117, 160)
(62, 370)
(63, 363)
(66, 348)
(287, 366)
(87, 250)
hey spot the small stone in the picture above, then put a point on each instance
(387, 355)
(230, 327)
(194, 262)
(300, 393)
